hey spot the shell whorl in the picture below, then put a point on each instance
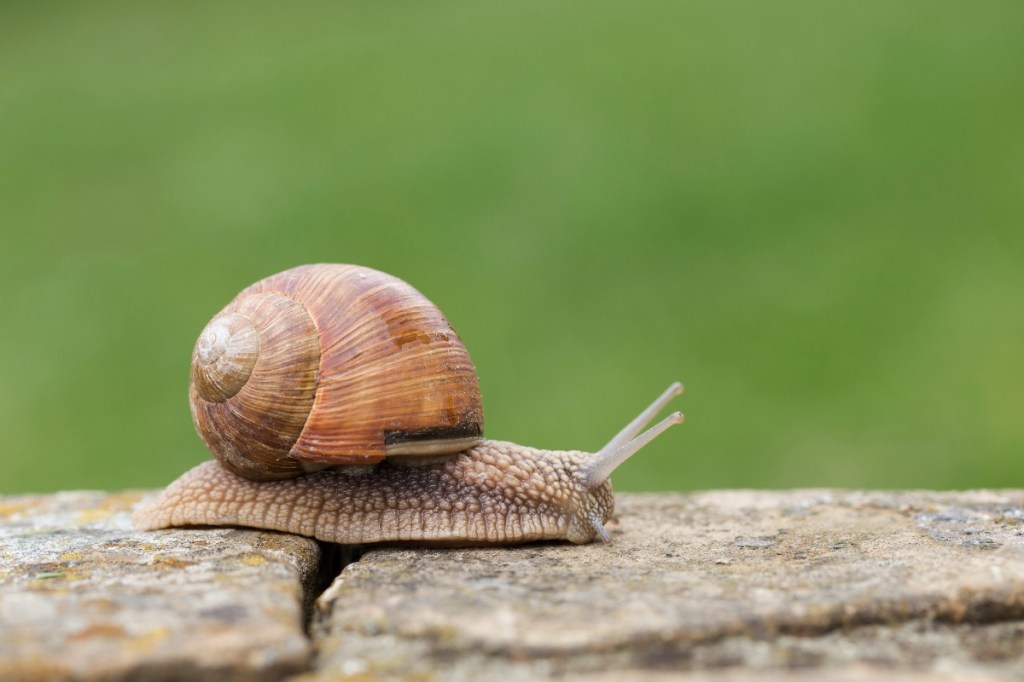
(224, 357)
(324, 365)
(252, 398)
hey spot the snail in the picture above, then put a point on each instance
(340, 404)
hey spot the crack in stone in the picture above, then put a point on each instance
(334, 558)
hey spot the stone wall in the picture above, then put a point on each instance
(726, 585)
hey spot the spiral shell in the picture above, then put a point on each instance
(326, 365)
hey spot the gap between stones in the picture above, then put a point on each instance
(333, 560)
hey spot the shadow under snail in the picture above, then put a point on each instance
(340, 404)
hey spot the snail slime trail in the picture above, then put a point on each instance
(316, 373)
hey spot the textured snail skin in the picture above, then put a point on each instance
(493, 493)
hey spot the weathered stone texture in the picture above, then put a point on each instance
(83, 596)
(921, 585)
(738, 585)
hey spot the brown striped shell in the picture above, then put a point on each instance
(326, 365)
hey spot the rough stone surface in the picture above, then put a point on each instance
(738, 585)
(731, 585)
(83, 596)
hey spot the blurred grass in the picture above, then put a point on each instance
(811, 213)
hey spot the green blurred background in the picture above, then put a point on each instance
(811, 213)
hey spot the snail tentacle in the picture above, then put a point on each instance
(633, 428)
(616, 451)
(599, 528)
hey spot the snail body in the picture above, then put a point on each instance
(340, 404)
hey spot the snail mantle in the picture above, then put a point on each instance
(802, 584)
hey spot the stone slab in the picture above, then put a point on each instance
(83, 596)
(720, 585)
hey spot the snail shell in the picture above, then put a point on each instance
(326, 365)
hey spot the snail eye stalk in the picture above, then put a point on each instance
(627, 443)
